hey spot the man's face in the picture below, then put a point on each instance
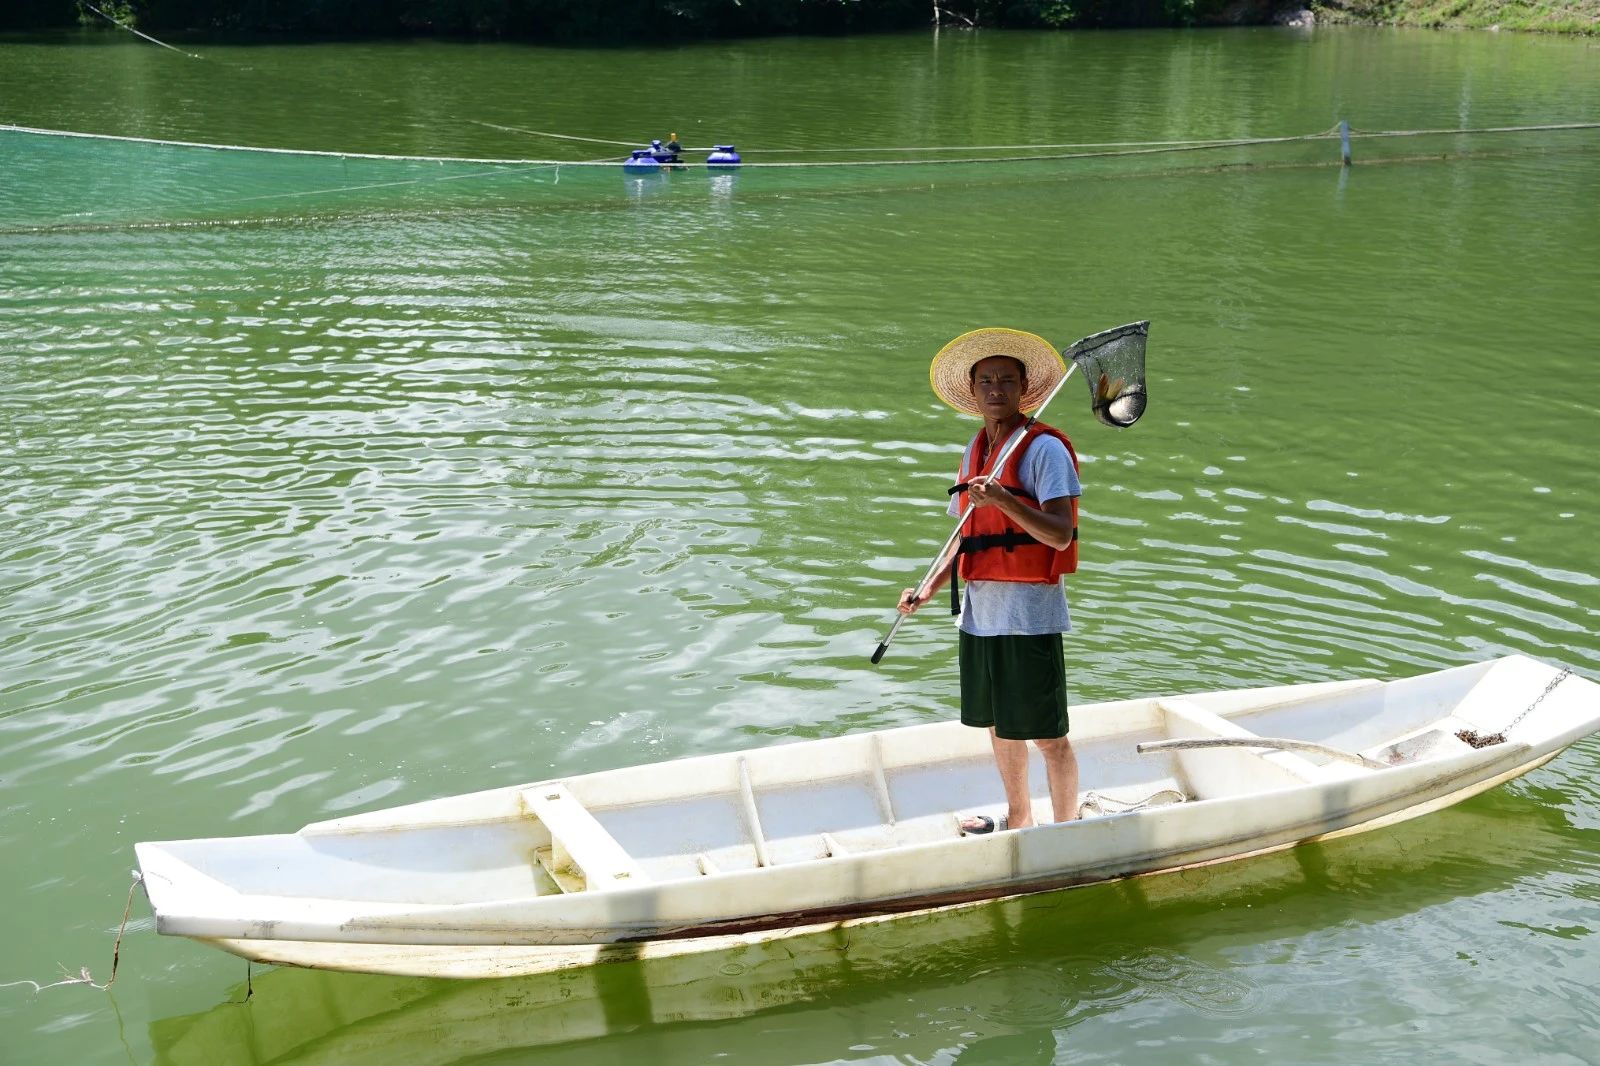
(997, 385)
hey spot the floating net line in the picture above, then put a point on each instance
(63, 179)
(885, 150)
(1070, 146)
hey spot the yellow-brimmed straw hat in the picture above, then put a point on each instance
(951, 372)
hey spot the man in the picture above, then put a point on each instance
(1021, 538)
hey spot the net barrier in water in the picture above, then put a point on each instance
(66, 180)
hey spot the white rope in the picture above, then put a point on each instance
(1099, 803)
(499, 171)
(136, 33)
(560, 136)
(1162, 148)
(1193, 146)
(1212, 142)
(884, 150)
(1481, 129)
(384, 184)
(298, 151)
(992, 147)
(83, 976)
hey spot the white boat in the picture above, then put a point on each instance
(721, 850)
(309, 1017)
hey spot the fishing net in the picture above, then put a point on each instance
(1112, 363)
(64, 180)
(58, 180)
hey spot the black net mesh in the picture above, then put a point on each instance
(1112, 362)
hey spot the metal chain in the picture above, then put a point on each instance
(1562, 676)
(1480, 740)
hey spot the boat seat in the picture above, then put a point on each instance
(582, 856)
(1214, 773)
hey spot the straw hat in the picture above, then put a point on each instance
(951, 372)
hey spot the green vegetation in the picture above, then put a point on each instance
(603, 20)
(1549, 16)
(637, 20)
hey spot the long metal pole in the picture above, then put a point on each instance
(947, 552)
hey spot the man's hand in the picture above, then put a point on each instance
(988, 494)
(909, 602)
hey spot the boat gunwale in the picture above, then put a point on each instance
(1416, 788)
(1448, 769)
(536, 958)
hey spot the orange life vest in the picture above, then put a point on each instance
(993, 547)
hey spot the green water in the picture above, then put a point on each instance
(387, 499)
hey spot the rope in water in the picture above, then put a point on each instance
(84, 977)
(928, 148)
(1129, 146)
(1480, 129)
(1213, 142)
(490, 161)
(1134, 147)
(136, 33)
(164, 143)
(765, 151)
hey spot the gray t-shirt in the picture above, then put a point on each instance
(1017, 608)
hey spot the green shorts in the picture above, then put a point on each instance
(1018, 685)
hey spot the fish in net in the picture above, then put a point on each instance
(1112, 364)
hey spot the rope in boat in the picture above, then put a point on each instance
(1103, 805)
(83, 976)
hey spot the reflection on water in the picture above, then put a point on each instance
(1009, 975)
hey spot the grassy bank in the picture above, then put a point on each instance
(1548, 16)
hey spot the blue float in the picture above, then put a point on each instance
(724, 157)
(641, 162)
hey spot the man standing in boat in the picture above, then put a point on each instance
(1022, 537)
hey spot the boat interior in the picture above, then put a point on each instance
(876, 791)
(816, 800)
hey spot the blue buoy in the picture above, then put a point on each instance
(641, 162)
(723, 158)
